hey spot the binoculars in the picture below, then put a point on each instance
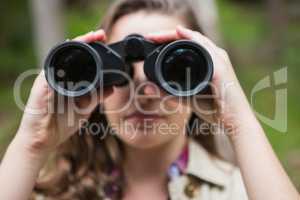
(181, 68)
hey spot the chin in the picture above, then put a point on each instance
(144, 139)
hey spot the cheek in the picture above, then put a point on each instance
(174, 105)
(118, 100)
(115, 105)
(178, 113)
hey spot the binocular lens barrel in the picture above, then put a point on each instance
(73, 69)
(183, 68)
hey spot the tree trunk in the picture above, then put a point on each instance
(278, 21)
(48, 25)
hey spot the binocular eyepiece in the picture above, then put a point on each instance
(181, 68)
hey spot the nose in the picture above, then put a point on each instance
(144, 86)
(139, 75)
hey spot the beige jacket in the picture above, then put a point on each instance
(207, 178)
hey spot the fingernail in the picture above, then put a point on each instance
(100, 31)
(149, 35)
(181, 27)
(153, 34)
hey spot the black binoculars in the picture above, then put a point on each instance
(181, 68)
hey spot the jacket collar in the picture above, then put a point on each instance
(204, 166)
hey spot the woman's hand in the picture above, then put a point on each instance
(47, 121)
(227, 104)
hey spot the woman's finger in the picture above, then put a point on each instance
(197, 37)
(183, 33)
(163, 36)
(92, 36)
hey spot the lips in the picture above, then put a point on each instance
(138, 117)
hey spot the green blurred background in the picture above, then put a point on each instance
(260, 36)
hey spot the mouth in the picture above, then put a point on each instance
(138, 117)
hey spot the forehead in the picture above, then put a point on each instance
(142, 23)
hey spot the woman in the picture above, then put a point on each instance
(144, 162)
